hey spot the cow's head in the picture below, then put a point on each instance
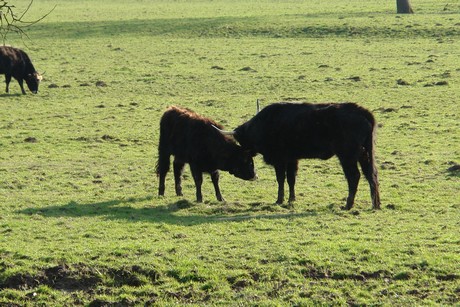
(238, 135)
(33, 80)
(241, 164)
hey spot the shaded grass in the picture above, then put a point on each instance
(291, 26)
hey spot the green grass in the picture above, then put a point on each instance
(80, 220)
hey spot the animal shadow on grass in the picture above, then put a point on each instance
(125, 209)
(11, 94)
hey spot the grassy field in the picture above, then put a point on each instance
(80, 219)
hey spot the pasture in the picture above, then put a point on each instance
(80, 219)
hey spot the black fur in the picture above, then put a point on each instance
(16, 63)
(286, 132)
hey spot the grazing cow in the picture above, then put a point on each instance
(16, 63)
(191, 139)
(286, 132)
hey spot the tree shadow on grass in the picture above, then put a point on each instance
(125, 209)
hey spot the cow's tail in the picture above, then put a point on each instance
(162, 165)
(368, 163)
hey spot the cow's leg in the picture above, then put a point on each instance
(291, 174)
(370, 172)
(178, 168)
(7, 81)
(280, 170)
(21, 84)
(198, 178)
(215, 181)
(350, 168)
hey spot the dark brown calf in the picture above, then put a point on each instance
(191, 139)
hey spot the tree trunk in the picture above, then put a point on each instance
(404, 7)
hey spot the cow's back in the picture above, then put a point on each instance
(283, 131)
(279, 131)
(187, 135)
(14, 61)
